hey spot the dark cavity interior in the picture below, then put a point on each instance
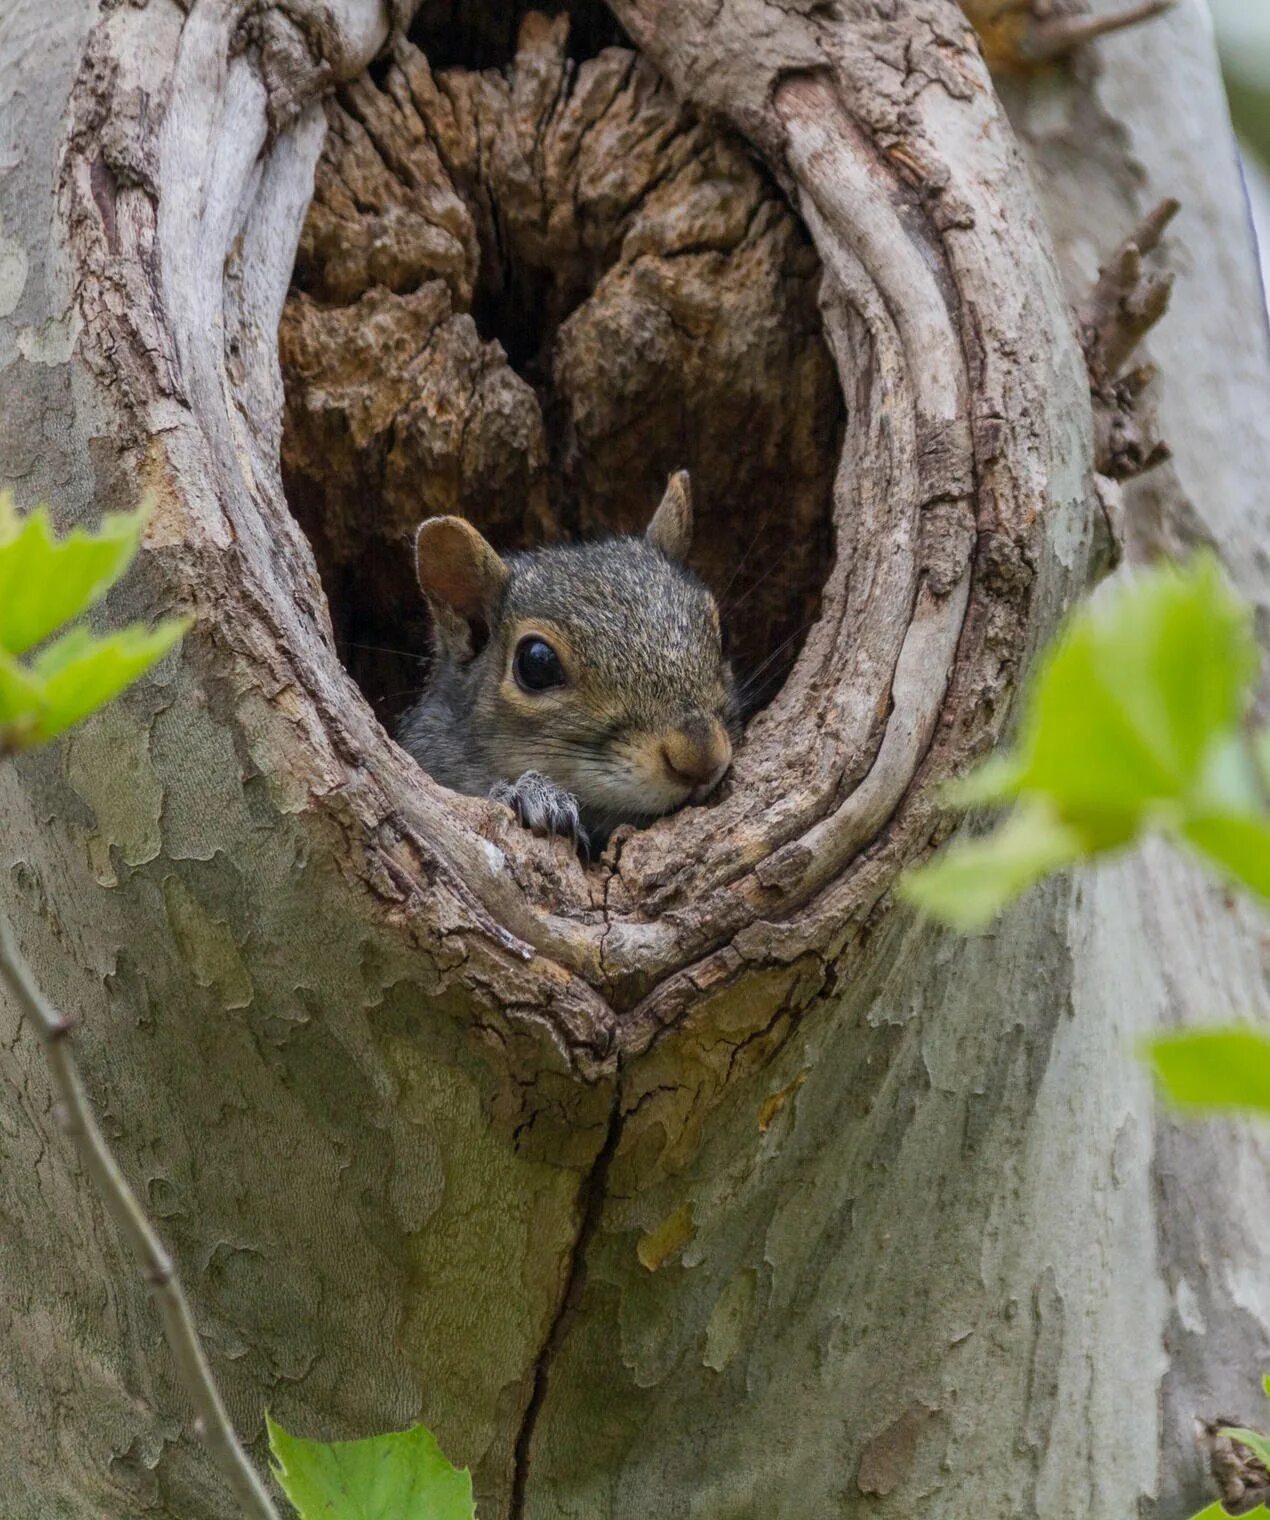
(529, 287)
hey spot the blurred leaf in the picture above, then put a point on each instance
(969, 883)
(1134, 721)
(403, 1476)
(1239, 844)
(80, 672)
(1214, 1068)
(46, 581)
(21, 702)
(1138, 690)
(996, 780)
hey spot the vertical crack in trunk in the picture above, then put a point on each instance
(592, 1197)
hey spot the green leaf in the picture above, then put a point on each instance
(996, 780)
(1137, 692)
(969, 883)
(404, 1476)
(21, 703)
(80, 672)
(1214, 1068)
(1238, 844)
(1135, 721)
(46, 581)
(1213, 1512)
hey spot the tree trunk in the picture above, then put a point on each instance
(700, 1183)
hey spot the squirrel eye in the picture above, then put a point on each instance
(536, 665)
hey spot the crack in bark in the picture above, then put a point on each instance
(592, 1194)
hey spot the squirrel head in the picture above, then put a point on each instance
(601, 665)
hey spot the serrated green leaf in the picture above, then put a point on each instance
(1212, 1512)
(46, 581)
(80, 672)
(968, 884)
(1214, 1068)
(403, 1476)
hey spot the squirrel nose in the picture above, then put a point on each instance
(698, 753)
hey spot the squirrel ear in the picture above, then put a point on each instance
(459, 572)
(671, 527)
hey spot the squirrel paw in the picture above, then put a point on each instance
(539, 804)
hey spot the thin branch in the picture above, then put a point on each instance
(1058, 36)
(1126, 302)
(75, 1119)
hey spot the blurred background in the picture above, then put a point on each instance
(1243, 37)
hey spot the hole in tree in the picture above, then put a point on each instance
(529, 287)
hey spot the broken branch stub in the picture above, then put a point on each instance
(962, 508)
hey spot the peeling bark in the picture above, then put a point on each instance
(699, 1183)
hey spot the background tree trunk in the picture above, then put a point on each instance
(938, 1250)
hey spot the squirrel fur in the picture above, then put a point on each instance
(584, 685)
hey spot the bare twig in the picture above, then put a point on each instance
(1127, 301)
(1023, 36)
(1056, 37)
(75, 1118)
(1124, 304)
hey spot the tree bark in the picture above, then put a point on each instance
(702, 1183)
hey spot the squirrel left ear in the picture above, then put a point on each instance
(671, 527)
(462, 577)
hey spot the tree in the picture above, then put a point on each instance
(713, 1184)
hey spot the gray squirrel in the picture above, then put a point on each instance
(584, 685)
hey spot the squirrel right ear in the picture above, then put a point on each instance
(461, 576)
(671, 527)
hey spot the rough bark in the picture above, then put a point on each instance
(701, 1183)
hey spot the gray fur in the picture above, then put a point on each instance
(539, 804)
(646, 654)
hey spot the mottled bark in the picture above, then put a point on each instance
(701, 1183)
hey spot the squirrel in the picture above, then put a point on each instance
(584, 685)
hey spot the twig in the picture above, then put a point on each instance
(75, 1119)
(1125, 303)
(1058, 36)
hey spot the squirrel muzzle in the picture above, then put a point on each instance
(697, 755)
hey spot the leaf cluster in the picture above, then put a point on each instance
(50, 680)
(1136, 723)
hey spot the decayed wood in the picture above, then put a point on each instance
(527, 295)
